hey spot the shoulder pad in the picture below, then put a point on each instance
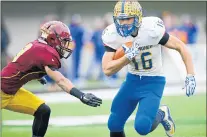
(154, 28)
(109, 36)
(41, 45)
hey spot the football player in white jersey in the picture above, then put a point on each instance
(145, 81)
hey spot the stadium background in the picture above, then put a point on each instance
(22, 21)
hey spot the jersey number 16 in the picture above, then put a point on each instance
(146, 64)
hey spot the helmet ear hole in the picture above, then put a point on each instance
(52, 40)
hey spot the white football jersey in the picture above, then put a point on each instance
(149, 61)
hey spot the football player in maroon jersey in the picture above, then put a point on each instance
(38, 58)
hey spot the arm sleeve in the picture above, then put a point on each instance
(48, 59)
(164, 39)
(52, 62)
(109, 39)
(158, 34)
(53, 68)
(109, 49)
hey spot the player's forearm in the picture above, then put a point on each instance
(186, 56)
(65, 84)
(59, 79)
(176, 44)
(114, 66)
(187, 59)
(68, 87)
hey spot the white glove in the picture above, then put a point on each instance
(130, 53)
(190, 85)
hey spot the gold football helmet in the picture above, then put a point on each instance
(126, 9)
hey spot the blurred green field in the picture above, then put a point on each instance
(189, 115)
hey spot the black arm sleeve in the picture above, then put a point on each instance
(109, 49)
(164, 39)
(52, 68)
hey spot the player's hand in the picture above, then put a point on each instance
(91, 100)
(43, 81)
(131, 52)
(190, 85)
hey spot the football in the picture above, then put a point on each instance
(120, 51)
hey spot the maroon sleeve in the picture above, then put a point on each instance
(48, 58)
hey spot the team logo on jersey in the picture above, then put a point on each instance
(146, 47)
(160, 23)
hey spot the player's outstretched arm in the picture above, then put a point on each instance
(175, 43)
(111, 66)
(66, 85)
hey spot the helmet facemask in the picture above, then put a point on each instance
(126, 29)
(65, 46)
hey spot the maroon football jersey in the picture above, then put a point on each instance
(28, 65)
